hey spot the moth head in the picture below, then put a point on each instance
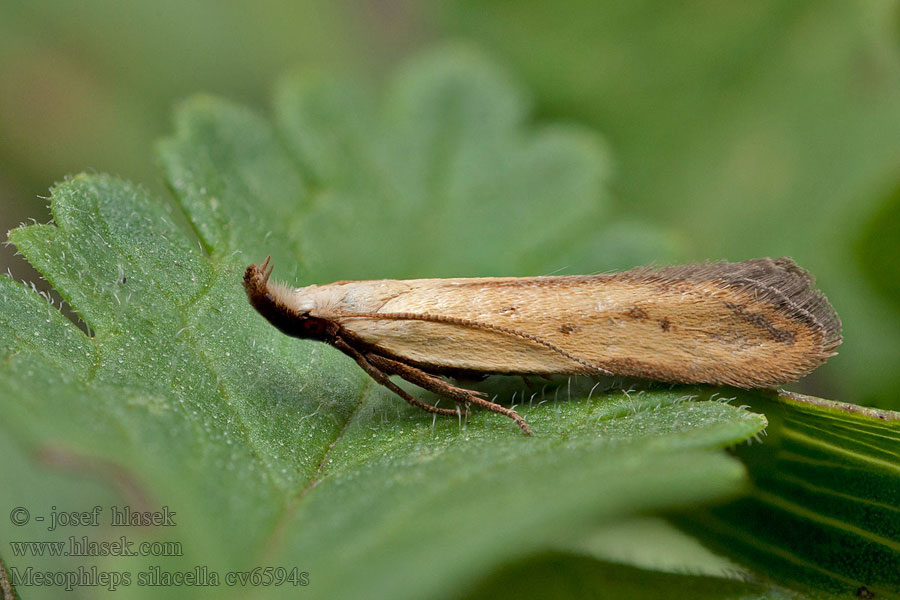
(280, 305)
(256, 284)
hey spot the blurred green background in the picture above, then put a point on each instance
(737, 129)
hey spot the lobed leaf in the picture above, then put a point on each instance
(822, 511)
(279, 452)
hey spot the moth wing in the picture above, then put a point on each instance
(441, 342)
(664, 325)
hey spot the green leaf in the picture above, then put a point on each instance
(562, 576)
(439, 179)
(279, 452)
(876, 250)
(7, 589)
(822, 513)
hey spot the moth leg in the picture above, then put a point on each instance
(384, 379)
(423, 379)
(442, 388)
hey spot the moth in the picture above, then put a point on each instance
(751, 324)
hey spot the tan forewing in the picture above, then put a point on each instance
(673, 328)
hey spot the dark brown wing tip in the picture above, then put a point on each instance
(778, 281)
(791, 288)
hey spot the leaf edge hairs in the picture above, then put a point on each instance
(750, 324)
